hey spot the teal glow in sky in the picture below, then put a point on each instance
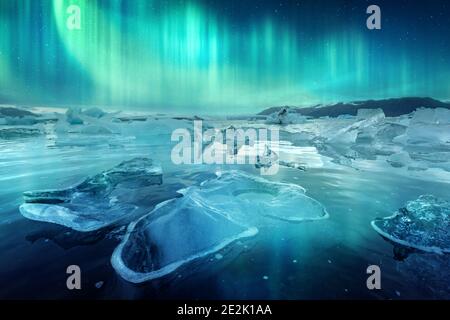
(220, 56)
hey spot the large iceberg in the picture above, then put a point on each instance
(423, 224)
(96, 202)
(205, 220)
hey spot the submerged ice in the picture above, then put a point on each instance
(423, 224)
(96, 202)
(205, 220)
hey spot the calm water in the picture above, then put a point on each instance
(324, 259)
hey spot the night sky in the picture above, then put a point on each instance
(221, 56)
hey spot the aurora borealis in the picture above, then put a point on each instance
(221, 56)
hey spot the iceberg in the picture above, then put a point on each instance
(94, 203)
(422, 224)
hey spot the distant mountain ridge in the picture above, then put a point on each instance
(391, 107)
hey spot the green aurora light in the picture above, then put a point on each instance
(194, 55)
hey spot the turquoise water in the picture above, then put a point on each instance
(324, 259)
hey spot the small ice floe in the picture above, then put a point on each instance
(423, 224)
(247, 198)
(174, 234)
(90, 205)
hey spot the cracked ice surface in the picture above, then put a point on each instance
(423, 224)
(206, 219)
(94, 203)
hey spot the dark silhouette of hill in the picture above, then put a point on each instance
(391, 107)
(14, 112)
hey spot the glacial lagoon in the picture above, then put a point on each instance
(72, 192)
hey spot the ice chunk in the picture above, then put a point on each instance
(363, 129)
(76, 129)
(388, 131)
(177, 232)
(94, 112)
(429, 128)
(347, 141)
(428, 135)
(372, 114)
(93, 204)
(423, 225)
(431, 116)
(96, 130)
(401, 159)
(267, 159)
(19, 121)
(19, 132)
(344, 136)
(345, 116)
(285, 116)
(367, 118)
(247, 198)
(73, 116)
(293, 165)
